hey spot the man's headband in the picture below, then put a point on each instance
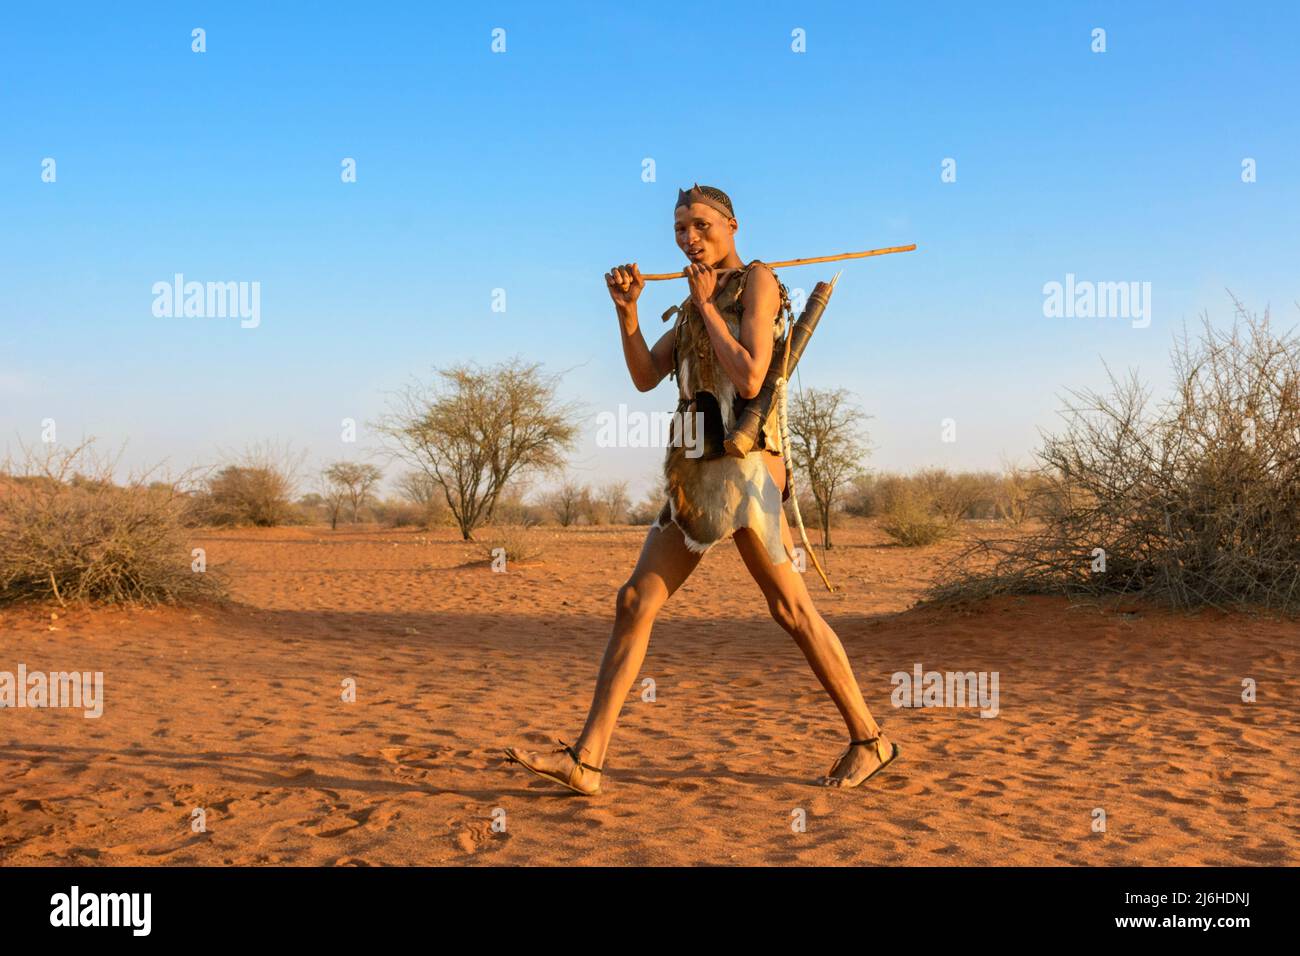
(714, 198)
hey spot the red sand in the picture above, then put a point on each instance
(238, 711)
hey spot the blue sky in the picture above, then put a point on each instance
(522, 171)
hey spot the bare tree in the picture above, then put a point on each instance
(333, 497)
(568, 502)
(612, 502)
(827, 446)
(476, 429)
(419, 489)
(351, 482)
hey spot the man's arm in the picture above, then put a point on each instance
(745, 361)
(646, 366)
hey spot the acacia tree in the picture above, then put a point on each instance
(475, 428)
(827, 446)
(351, 482)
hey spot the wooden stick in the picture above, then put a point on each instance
(798, 262)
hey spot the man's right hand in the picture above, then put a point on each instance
(625, 284)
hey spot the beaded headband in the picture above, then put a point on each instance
(708, 195)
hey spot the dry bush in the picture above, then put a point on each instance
(860, 498)
(1193, 502)
(520, 543)
(312, 509)
(947, 497)
(954, 497)
(647, 510)
(396, 513)
(926, 507)
(569, 504)
(1017, 491)
(421, 490)
(610, 503)
(512, 508)
(256, 489)
(910, 514)
(69, 533)
(239, 495)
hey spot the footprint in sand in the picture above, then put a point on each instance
(478, 835)
(337, 823)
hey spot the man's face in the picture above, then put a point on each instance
(704, 234)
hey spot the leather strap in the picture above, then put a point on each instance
(578, 760)
(869, 740)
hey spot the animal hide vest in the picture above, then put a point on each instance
(711, 494)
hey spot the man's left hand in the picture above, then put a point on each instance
(703, 280)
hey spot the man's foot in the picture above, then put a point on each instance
(862, 760)
(561, 765)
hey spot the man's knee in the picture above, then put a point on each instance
(635, 601)
(791, 614)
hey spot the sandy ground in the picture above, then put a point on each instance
(238, 710)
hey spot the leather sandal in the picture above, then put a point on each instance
(567, 780)
(881, 757)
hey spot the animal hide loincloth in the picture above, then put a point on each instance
(709, 498)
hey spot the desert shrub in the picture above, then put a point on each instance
(239, 495)
(312, 508)
(947, 497)
(520, 543)
(860, 498)
(647, 509)
(1194, 501)
(512, 509)
(569, 504)
(808, 507)
(418, 488)
(396, 513)
(924, 507)
(1022, 493)
(954, 497)
(75, 536)
(609, 504)
(910, 514)
(257, 489)
(1017, 490)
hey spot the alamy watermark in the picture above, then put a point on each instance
(75, 908)
(81, 690)
(628, 429)
(208, 300)
(1084, 299)
(923, 688)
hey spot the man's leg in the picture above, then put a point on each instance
(791, 606)
(664, 564)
